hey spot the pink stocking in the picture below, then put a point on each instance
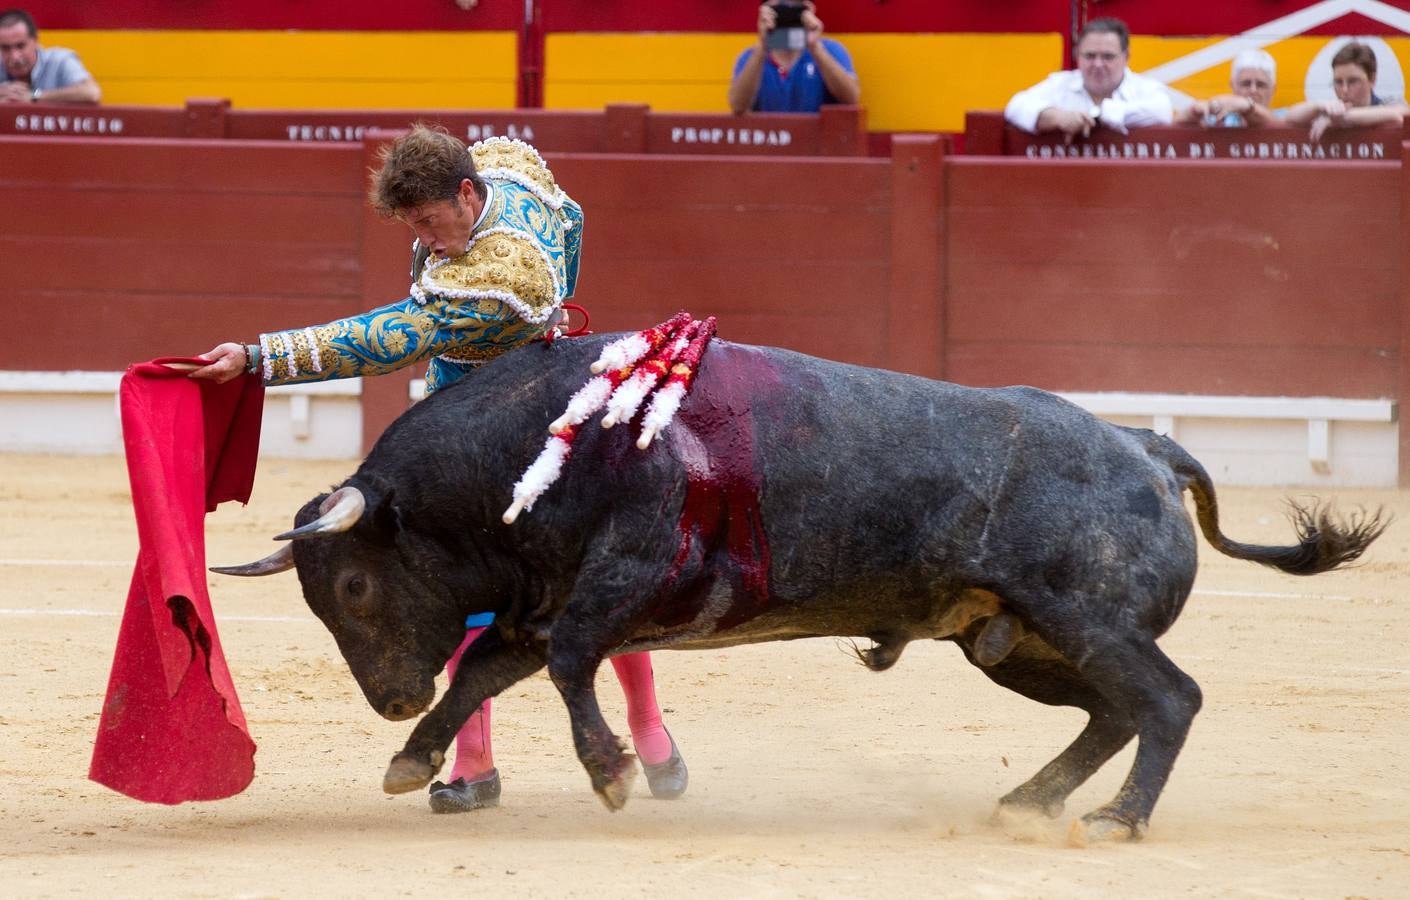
(653, 745)
(474, 757)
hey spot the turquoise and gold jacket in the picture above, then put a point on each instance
(505, 290)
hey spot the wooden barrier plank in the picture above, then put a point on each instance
(742, 230)
(986, 133)
(1275, 371)
(1164, 186)
(1173, 316)
(384, 249)
(617, 128)
(67, 120)
(108, 330)
(636, 181)
(1239, 236)
(183, 214)
(576, 130)
(1185, 277)
(184, 267)
(915, 312)
(731, 286)
(204, 166)
(1401, 388)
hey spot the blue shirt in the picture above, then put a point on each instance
(802, 90)
(55, 67)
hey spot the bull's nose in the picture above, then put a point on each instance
(398, 710)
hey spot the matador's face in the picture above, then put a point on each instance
(444, 226)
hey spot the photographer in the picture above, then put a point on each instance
(793, 68)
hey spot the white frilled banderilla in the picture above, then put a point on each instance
(658, 363)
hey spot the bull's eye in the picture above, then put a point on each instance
(356, 587)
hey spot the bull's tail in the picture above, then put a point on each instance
(1324, 540)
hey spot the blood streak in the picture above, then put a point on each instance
(721, 527)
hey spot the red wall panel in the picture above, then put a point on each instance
(784, 253)
(123, 250)
(1182, 277)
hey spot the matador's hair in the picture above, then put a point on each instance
(425, 166)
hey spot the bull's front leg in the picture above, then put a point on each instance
(488, 666)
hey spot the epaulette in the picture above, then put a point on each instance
(500, 264)
(507, 159)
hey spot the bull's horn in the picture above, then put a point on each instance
(281, 560)
(339, 511)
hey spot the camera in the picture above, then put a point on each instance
(788, 32)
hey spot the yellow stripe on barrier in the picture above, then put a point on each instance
(919, 82)
(910, 82)
(301, 70)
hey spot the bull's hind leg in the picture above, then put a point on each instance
(1162, 701)
(1139, 685)
(1054, 682)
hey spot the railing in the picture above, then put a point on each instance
(619, 128)
(987, 134)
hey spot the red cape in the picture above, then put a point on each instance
(172, 729)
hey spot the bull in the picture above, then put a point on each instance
(792, 497)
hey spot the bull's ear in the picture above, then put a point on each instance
(385, 517)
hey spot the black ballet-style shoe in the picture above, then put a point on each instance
(465, 796)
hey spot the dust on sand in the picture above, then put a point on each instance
(809, 775)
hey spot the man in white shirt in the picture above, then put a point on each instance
(1101, 90)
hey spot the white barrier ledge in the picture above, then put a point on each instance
(107, 383)
(1318, 412)
(78, 383)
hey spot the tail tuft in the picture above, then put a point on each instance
(1325, 540)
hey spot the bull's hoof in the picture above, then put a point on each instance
(615, 791)
(667, 780)
(465, 796)
(1027, 822)
(408, 774)
(1023, 804)
(1099, 827)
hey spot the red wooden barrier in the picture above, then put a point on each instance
(1186, 277)
(63, 119)
(1209, 277)
(571, 130)
(623, 128)
(1403, 254)
(117, 251)
(987, 134)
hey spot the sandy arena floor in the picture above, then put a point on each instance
(810, 777)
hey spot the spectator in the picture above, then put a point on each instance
(776, 77)
(1102, 90)
(1356, 105)
(1252, 77)
(35, 74)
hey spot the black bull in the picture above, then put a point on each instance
(793, 497)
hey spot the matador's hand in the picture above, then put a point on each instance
(227, 361)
